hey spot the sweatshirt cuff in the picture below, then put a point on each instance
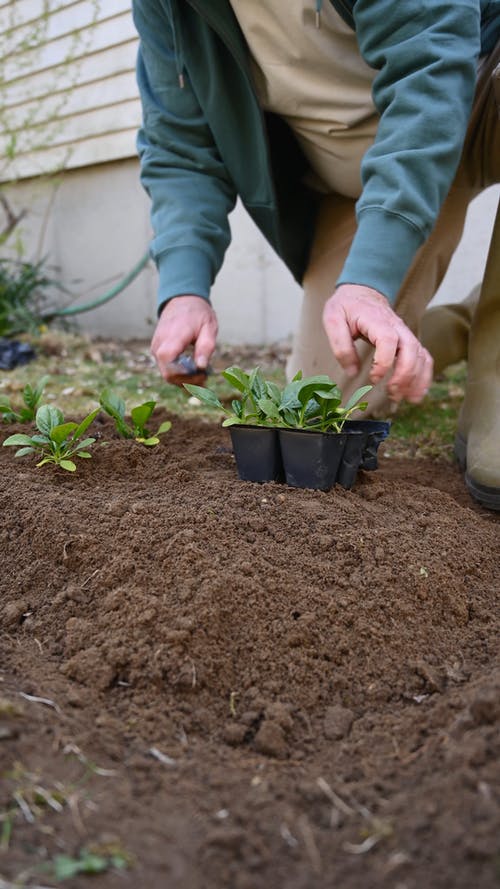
(381, 252)
(182, 271)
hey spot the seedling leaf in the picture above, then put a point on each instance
(68, 465)
(141, 414)
(18, 439)
(237, 378)
(84, 425)
(48, 416)
(357, 396)
(22, 452)
(115, 407)
(84, 443)
(62, 432)
(205, 395)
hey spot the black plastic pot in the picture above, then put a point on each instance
(374, 432)
(257, 453)
(311, 459)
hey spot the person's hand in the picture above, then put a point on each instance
(185, 320)
(356, 311)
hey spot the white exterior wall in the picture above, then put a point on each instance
(92, 222)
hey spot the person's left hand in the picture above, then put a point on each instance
(356, 311)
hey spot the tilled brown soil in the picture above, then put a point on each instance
(283, 687)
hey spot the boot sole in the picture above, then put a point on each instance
(484, 494)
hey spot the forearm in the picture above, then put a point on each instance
(181, 169)
(426, 55)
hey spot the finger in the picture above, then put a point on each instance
(340, 338)
(205, 342)
(406, 366)
(415, 383)
(412, 373)
(386, 349)
(423, 379)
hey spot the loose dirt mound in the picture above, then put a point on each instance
(288, 686)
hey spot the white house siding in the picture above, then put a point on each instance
(72, 100)
(93, 222)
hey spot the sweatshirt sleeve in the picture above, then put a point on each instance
(425, 52)
(181, 168)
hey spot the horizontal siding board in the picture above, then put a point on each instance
(92, 39)
(109, 62)
(115, 117)
(66, 22)
(104, 91)
(20, 13)
(96, 150)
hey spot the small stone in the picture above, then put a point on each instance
(234, 733)
(249, 717)
(270, 740)
(337, 722)
(8, 733)
(13, 612)
(280, 713)
(434, 680)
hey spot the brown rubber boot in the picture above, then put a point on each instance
(477, 444)
(444, 331)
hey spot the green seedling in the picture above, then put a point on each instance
(315, 403)
(310, 403)
(56, 441)
(31, 397)
(114, 406)
(257, 404)
(65, 867)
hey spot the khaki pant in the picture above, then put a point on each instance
(479, 168)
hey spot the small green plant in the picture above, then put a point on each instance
(115, 407)
(312, 403)
(56, 441)
(66, 867)
(31, 397)
(24, 290)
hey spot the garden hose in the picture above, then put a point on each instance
(101, 300)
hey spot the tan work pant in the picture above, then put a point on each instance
(336, 226)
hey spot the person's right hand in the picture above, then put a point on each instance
(356, 311)
(186, 320)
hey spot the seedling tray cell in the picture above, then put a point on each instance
(374, 432)
(257, 453)
(311, 459)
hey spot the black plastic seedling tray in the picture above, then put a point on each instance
(305, 459)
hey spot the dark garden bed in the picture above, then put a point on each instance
(209, 683)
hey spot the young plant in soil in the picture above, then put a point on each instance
(56, 441)
(31, 396)
(115, 407)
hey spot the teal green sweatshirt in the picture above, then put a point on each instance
(205, 141)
